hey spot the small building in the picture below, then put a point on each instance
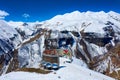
(50, 56)
(64, 53)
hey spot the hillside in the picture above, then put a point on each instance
(89, 37)
(68, 72)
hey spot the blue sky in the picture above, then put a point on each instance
(39, 10)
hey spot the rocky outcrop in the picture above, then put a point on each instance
(109, 63)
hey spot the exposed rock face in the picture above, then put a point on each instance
(9, 40)
(91, 39)
(30, 52)
(108, 63)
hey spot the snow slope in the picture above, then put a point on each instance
(6, 30)
(77, 21)
(69, 71)
(9, 34)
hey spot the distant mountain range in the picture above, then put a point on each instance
(93, 38)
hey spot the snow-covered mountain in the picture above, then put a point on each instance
(94, 20)
(9, 33)
(89, 36)
(9, 40)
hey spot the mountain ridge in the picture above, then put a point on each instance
(89, 36)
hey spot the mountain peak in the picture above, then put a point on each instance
(75, 12)
(68, 21)
(77, 15)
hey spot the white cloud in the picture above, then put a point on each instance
(25, 15)
(3, 14)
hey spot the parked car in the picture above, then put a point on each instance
(48, 66)
(43, 63)
(55, 66)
